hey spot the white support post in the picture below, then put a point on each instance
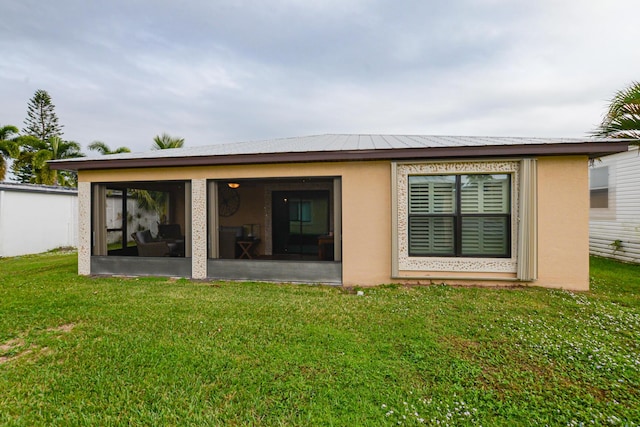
(199, 228)
(84, 228)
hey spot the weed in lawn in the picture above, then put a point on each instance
(428, 411)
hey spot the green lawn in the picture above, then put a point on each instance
(150, 351)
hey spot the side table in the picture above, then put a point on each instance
(248, 248)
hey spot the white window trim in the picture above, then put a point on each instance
(608, 213)
(593, 187)
(403, 262)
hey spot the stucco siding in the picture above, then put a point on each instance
(365, 205)
(366, 187)
(563, 223)
(366, 224)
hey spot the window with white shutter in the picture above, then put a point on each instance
(460, 215)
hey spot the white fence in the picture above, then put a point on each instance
(137, 218)
(36, 218)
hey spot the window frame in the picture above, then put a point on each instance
(601, 190)
(458, 216)
(405, 266)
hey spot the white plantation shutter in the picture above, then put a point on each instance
(495, 196)
(484, 236)
(485, 206)
(431, 195)
(484, 194)
(431, 236)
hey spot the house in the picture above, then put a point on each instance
(36, 218)
(614, 214)
(355, 210)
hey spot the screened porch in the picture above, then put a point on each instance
(276, 229)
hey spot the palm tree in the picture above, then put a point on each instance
(8, 147)
(36, 153)
(164, 141)
(156, 200)
(61, 149)
(104, 149)
(623, 117)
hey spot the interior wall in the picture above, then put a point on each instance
(177, 208)
(251, 210)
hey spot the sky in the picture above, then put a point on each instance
(213, 71)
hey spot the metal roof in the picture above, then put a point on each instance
(335, 147)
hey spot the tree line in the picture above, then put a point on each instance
(28, 151)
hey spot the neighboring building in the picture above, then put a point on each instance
(36, 218)
(614, 220)
(355, 210)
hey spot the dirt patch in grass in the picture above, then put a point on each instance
(463, 344)
(67, 327)
(13, 349)
(11, 345)
(16, 348)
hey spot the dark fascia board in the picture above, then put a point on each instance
(592, 149)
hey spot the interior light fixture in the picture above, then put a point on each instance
(234, 185)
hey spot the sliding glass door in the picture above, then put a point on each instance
(299, 219)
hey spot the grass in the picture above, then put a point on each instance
(152, 351)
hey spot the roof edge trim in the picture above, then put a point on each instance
(592, 149)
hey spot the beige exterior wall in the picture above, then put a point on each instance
(563, 202)
(366, 212)
(563, 223)
(366, 224)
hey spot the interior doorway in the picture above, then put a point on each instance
(299, 218)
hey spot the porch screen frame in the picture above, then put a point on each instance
(212, 220)
(99, 220)
(337, 219)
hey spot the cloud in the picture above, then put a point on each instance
(224, 71)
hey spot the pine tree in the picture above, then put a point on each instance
(42, 125)
(41, 121)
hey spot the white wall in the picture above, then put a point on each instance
(36, 218)
(621, 219)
